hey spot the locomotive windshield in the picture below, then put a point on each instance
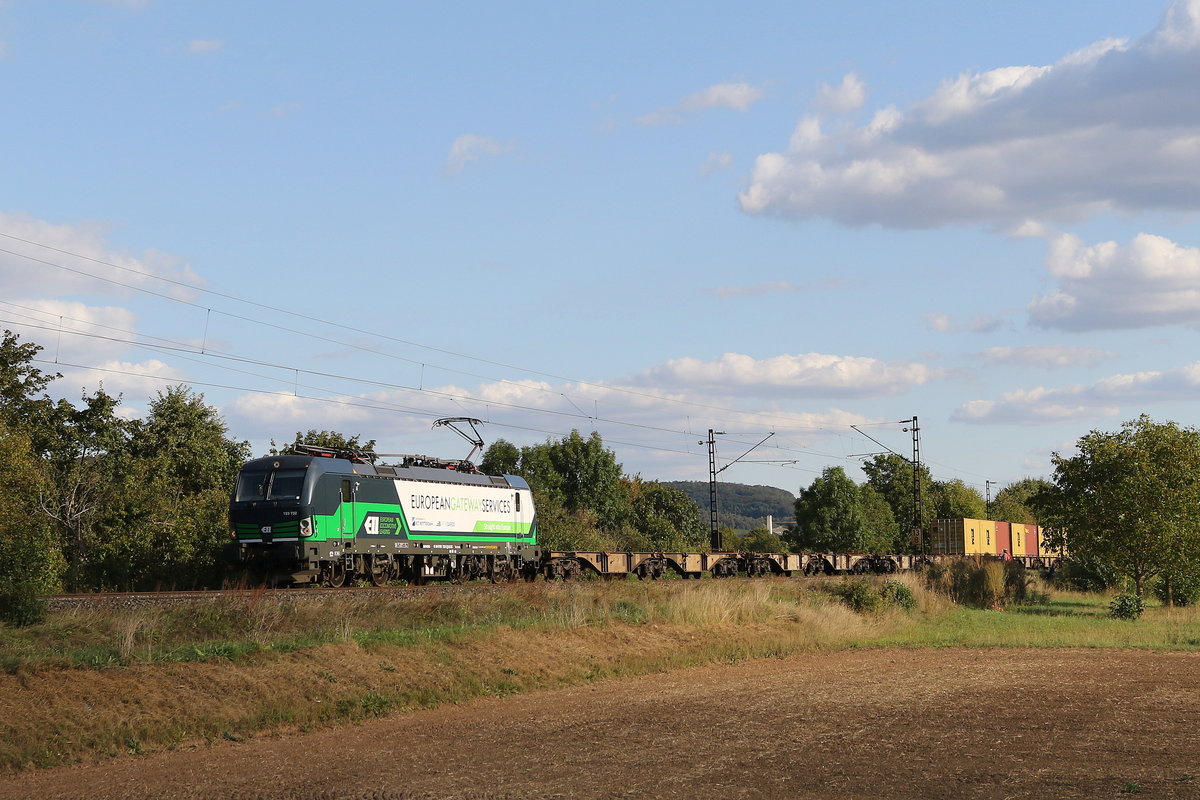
(280, 484)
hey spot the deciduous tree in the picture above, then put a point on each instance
(330, 439)
(1012, 503)
(500, 458)
(880, 531)
(1128, 500)
(665, 516)
(954, 499)
(829, 514)
(892, 476)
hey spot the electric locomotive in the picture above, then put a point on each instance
(330, 516)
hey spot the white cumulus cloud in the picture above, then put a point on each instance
(811, 374)
(848, 95)
(715, 162)
(1104, 398)
(777, 287)
(1111, 126)
(1150, 281)
(942, 322)
(205, 45)
(45, 258)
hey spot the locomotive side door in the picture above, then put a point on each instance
(522, 508)
(516, 532)
(346, 526)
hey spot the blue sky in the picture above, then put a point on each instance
(649, 222)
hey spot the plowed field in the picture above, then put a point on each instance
(880, 723)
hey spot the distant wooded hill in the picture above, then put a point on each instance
(742, 507)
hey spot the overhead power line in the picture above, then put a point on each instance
(180, 348)
(329, 323)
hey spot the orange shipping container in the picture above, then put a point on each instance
(1004, 537)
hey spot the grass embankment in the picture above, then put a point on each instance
(94, 684)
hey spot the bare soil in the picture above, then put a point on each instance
(953, 723)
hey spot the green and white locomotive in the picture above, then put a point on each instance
(329, 516)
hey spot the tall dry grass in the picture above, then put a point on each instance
(980, 582)
(92, 684)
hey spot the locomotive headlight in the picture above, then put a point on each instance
(307, 527)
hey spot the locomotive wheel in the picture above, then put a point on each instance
(378, 571)
(336, 576)
(500, 572)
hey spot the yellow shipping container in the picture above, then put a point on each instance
(1043, 551)
(964, 536)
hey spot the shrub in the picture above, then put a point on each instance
(21, 603)
(898, 594)
(859, 594)
(862, 595)
(1184, 588)
(1126, 606)
(981, 582)
(25, 577)
(1085, 575)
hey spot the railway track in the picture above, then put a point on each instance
(144, 599)
(93, 600)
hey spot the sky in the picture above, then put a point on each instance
(776, 220)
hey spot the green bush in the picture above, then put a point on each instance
(859, 594)
(898, 594)
(1126, 606)
(21, 603)
(1085, 575)
(1185, 588)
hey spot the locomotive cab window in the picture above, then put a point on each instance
(251, 486)
(517, 497)
(286, 484)
(282, 484)
(347, 493)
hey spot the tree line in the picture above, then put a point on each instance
(585, 501)
(1125, 507)
(94, 499)
(834, 514)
